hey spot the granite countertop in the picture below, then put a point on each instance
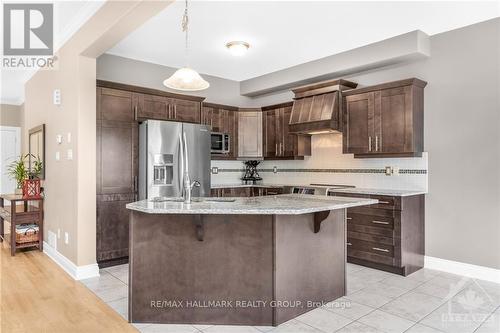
(373, 191)
(285, 204)
(245, 185)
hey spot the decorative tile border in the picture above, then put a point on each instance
(364, 171)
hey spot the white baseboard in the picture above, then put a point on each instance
(460, 268)
(76, 272)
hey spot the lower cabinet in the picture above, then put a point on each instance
(112, 228)
(245, 191)
(389, 235)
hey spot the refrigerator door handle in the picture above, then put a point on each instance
(181, 164)
(186, 152)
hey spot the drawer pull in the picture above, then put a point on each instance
(348, 218)
(379, 249)
(380, 222)
(349, 244)
(384, 202)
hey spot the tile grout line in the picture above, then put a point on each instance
(487, 318)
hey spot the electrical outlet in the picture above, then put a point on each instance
(66, 238)
(275, 169)
(215, 170)
(59, 233)
(388, 170)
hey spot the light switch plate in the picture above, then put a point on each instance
(215, 170)
(388, 170)
(275, 169)
(57, 97)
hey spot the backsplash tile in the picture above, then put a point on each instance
(328, 165)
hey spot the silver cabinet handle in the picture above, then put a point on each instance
(379, 249)
(276, 153)
(379, 222)
(135, 112)
(369, 143)
(349, 244)
(348, 218)
(383, 202)
(376, 142)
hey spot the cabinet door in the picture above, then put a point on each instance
(359, 123)
(270, 133)
(117, 157)
(185, 110)
(288, 141)
(250, 134)
(115, 105)
(112, 226)
(206, 115)
(231, 127)
(154, 107)
(394, 121)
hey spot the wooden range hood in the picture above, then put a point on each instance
(317, 107)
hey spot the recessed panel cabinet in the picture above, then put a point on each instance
(278, 142)
(166, 108)
(250, 133)
(222, 119)
(384, 120)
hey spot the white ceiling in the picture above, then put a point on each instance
(286, 33)
(69, 16)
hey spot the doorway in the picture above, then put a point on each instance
(10, 149)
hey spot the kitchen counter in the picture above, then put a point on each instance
(286, 204)
(239, 185)
(254, 261)
(373, 191)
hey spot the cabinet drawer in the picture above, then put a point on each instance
(371, 247)
(385, 232)
(371, 220)
(386, 202)
(368, 256)
(351, 235)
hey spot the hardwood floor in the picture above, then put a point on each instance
(38, 296)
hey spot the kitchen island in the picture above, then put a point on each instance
(248, 261)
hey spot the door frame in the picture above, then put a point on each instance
(17, 131)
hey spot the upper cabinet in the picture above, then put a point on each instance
(385, 120)
(278, 142)
(317, 107)
(250, 134)
(159, 105)
(222, 119)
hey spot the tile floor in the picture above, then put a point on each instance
(425, 302)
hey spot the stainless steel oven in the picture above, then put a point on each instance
(220, 143)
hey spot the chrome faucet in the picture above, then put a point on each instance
(188, 188)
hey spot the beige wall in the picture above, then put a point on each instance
(70, 184)
(11, 115)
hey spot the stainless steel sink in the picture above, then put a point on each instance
(213, 200)
(165, 199)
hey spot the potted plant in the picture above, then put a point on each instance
(32, 185)
(17, 170)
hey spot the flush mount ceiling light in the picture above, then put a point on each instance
(238, 48)
(185, 78)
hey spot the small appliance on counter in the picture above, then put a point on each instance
(251, 175)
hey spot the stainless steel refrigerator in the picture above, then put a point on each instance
(161, 166)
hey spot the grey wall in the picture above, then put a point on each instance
(145, 74)
(462, 126)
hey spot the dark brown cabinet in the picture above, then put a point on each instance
(117, 157)
(222, 119)
(384, 120)
(389, 235)
(278, 142)
(165, 108)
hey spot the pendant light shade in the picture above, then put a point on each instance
(186, 79)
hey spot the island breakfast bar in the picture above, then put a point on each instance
(240, 261)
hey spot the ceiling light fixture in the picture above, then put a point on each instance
(185, 78)
(238, 48)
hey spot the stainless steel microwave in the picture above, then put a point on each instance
(220, 143)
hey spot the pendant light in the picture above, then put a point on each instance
(185, 78)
